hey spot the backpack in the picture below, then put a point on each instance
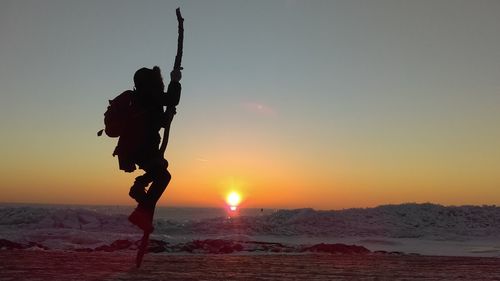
(117, 115)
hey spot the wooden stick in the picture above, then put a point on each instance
(180, 40)
(177, 66)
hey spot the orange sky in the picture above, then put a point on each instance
(328, 105)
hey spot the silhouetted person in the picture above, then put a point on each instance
(139, 143)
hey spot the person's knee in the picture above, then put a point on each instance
(164, 177)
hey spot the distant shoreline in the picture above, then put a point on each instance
(255, 208)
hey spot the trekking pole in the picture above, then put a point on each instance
(177, 66)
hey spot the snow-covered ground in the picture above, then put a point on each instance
(63, 266)
(411, 228)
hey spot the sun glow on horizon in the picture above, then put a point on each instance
(233, 199)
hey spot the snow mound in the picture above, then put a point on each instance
(428, 221)
(62, 218)
(80, 228)
(62, 228)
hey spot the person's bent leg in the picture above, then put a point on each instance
(161, 178)
(143, 214)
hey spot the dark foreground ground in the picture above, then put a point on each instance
(59, 265)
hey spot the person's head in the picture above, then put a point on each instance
(149, 81)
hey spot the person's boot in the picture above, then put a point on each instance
(138, 190)
(138, 193)
(143, 218)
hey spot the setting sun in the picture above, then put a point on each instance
(233, 200)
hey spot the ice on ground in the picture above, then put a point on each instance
(418, 228)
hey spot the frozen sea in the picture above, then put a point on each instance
(426, 229)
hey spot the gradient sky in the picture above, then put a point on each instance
(324, 104)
